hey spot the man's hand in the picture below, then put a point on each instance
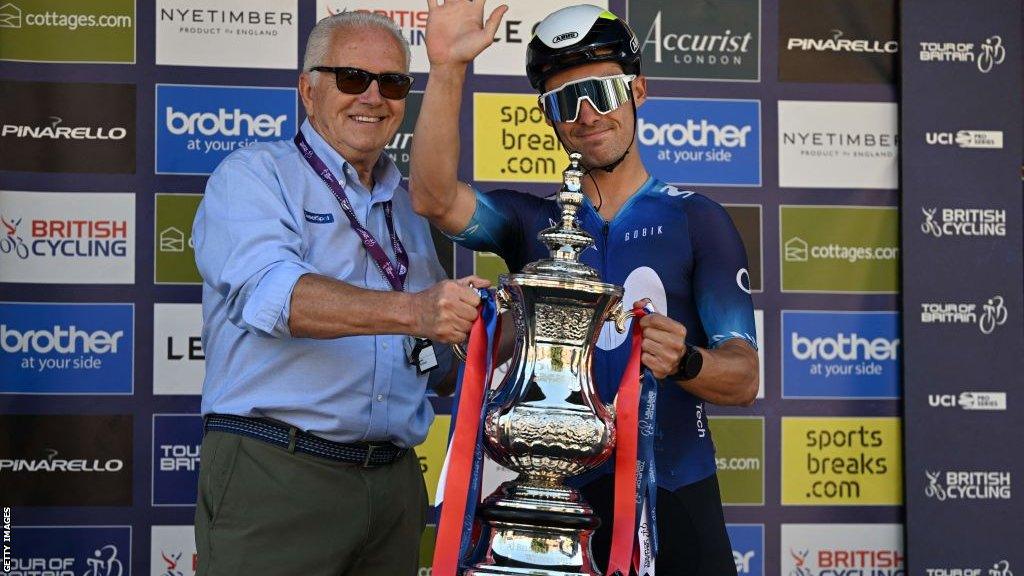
(445, 312)
(664, 342)
(456, 31)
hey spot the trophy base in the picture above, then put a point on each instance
(537, 530)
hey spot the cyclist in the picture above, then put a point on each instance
(677, 248)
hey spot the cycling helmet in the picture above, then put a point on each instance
(579, 35)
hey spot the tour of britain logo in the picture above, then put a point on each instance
(985, 55)
(176, 441)
(229, 33)
(51, 348)
(67, 237)
(701, 142)
(987, 316)
(97, 32)
(198, 126)
(999, 568)
(697, 41)
(70, 551)
(949, 485)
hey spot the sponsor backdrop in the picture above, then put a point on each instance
(785, 111)
(962, 286)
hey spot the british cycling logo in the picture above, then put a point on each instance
(966, 222)
(198, 126)
(967, 485)
(800, 560)
(993, 313)
(69, 238)
(986, 56)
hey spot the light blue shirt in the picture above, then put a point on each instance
(265, 220)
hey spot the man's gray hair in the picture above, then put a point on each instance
(319, 42)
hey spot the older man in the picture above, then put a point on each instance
(321, 296)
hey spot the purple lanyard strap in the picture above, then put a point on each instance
(394, 275)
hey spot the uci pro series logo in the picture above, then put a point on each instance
(197, 126)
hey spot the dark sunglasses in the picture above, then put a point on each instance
(392, 85)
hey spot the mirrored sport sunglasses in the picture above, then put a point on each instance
(392, 85)
(605, 93)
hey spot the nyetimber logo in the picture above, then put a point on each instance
(52, 129)
(993, 314)
(839, 44)
(969, 400)
(53, 464)
(967, 485)
(987, 55)
(969, 222)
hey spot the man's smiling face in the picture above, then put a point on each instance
(358, 126)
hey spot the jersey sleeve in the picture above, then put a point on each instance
(496, 225)
(721, 281)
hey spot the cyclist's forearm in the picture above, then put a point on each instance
(433, 181)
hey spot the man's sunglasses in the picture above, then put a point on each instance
(392, 85)
(605, 93)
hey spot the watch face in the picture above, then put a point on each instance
(694, 362)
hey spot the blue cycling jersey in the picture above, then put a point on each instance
(678, 248)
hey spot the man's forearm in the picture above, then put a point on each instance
(433, 181)
(322, 307)
(729, 376)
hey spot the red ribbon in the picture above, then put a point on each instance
(627, 420)
(460, 461)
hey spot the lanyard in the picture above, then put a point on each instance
(394, 275)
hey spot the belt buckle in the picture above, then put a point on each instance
(370, 449)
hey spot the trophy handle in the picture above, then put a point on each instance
(619, 314)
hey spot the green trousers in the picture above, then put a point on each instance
(264, 510)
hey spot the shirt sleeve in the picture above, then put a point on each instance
(249, 246)
(495, 225)
(721, 283)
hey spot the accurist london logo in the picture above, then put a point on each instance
(198, 126)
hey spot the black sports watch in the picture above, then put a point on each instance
(690, 364)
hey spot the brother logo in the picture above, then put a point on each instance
(69, 340)
(224, 123)
(693, 134)
(852, 347)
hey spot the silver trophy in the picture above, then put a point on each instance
(546, 421)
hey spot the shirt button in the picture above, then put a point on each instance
(380, 397)
(385, 345)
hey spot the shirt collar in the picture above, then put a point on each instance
(385, 172)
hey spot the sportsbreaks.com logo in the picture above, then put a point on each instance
(198, 126)
(707, 142)
(66, 348)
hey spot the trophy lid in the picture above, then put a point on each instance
(566, 240)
